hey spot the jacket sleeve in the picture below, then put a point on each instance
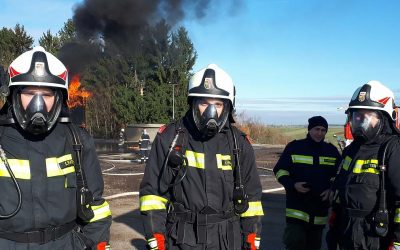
(338, 162)
(251, 219)
(283, 167)
(153, 196)
(393, 174)
(98, 228)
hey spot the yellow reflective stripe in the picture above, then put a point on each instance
(346, 163)
(255, 209)
(371, 167)
(330, 161)
(224, 162)
(297, 214)
(195, 159)
(396, 243)
(305, 159)
(53, 166)
(101, 212)
(281, 173)
(20, 169)
(397, 216)
(152, 202)
(320, 220)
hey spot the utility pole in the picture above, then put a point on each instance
(173, 102)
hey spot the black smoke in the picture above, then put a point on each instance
(122, 24)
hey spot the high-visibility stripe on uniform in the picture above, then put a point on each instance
(152, 202)
(53, 167)
(366, 166)
(304, 159)
(224, 162)
(320, 220)
(297, 214)
(397, 216)
(101, 212)
(281, 172)
(346, 163)
(20, 169)
(195, 159)
(255, 209)
(330, 161)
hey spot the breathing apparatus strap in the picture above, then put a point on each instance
(240, 198)
(381, 215)
(84, 195)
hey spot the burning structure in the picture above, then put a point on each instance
(77, 99)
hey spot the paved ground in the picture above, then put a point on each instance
(123, 178)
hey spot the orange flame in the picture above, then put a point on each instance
(77, 96)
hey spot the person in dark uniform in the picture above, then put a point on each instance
(144, 144)
(41, 172)
(368, 186)
(305, 169)
(201, 188)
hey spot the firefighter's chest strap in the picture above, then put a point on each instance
(41, 236)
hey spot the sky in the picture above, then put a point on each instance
(289, 59)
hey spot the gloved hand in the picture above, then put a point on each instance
(157, 242)
(252, 242)
(395, 246)
(103, 246)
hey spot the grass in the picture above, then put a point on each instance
(264, 134)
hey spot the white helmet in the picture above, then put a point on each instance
(374, 95)
(213, 82)
(38, 68)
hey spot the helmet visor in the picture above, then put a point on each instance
(365, 123)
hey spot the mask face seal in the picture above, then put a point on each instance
(365, 124)
(36, 118)
(209, 123)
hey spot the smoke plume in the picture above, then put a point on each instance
(123, 23)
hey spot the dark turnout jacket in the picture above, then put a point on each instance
(315, 163)
(207, 189)
(358, 185)
(44, 169)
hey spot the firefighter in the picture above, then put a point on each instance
(368, 186)
(144, 143)
(201, 189)
(41, 172)
(305, 169)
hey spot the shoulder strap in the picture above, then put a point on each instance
(77, 147)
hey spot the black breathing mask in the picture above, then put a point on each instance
(366, 124)
(37, 118)
(209, 123)
(37, 115)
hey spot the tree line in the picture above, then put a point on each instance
(128, 86)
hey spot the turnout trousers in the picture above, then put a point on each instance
(302, 237)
